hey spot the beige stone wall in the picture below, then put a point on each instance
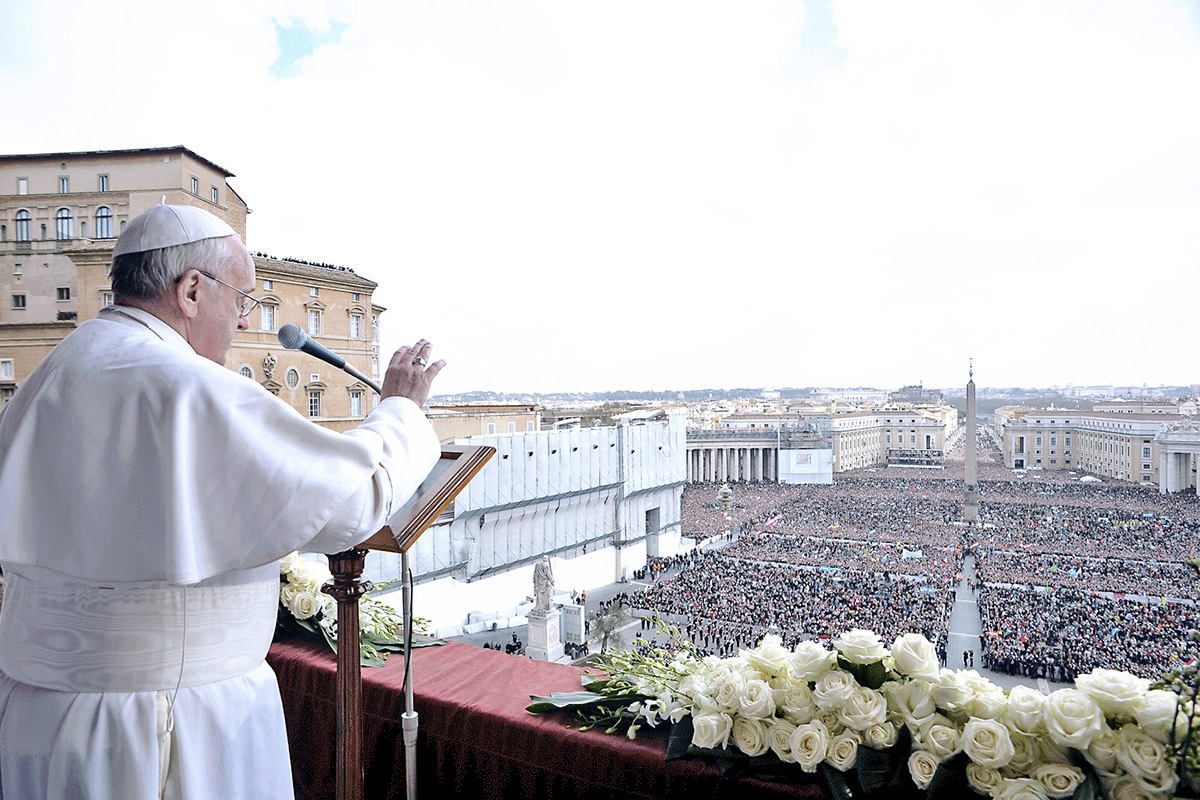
(1112, 445)
(453, 425)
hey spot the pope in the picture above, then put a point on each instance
(147, 496)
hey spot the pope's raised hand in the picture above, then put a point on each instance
(409, 374)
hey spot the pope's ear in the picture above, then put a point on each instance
(187, 293)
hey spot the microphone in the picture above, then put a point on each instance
(293, 337)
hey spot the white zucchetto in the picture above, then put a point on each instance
(167, 226)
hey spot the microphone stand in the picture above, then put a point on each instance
(408, 720)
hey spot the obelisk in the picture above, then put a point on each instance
(971, 489)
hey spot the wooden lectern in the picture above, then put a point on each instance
(449, 476)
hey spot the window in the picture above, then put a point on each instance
(268, 285)
(1053, 441)
(5, 396)
(106, 299)
(314, 377)
(512, 427)
(1039, 441)
(354, 297)
(313, 291)
(912, 439)
(195, 185)
(1145, 452)
(292, 377)
(64, 185)
(375, 327)
(214, 195)
(246, 372)
(1067, 441)
(491, 427)
(18, 301)
(529, 426)
(888, 437)
(356, 326)
(268, 318)
(64, 294)
(22, 185)
(103, 223)
(104, 183)
(314, 404)
(22, 226)
(356, 404)
(17, 269)
(65, 224)
(314, 322)
(6, 369)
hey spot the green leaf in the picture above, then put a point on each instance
(837, 782)
(680, 739)
(560, 700)
(950, 780)
(873, 675)
(1089, 789)
(876, 768)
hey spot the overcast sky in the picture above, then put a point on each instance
(647, 195)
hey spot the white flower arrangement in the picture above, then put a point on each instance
(380, 626)
(847, 707)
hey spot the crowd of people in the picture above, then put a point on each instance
(883, 549)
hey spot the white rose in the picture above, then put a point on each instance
(939, 736)
(951, 692)
(305, 605)
(757, 700)
(1101, 753)
(309, 572)
(1073, 718)
(798, 704)
(1058, 780)
(1025, 710)
(1145, 759)
(988, 704)
(922, 765)
(1116, 692)
(859, 646)
(750, 736)
(726, 690)
(834, 688)
(987, 742)
(915, 656)
(770, 657)
(1026, 754)
(288, 592)
(1021, 789)
(779, 739)
(863, 709)
(711, 730)
(810, 661)
(910, 701)
(810, 745)
(881, 736)
(1126, 788)
(288, 562)
(830, 719)
(843, 751)
(984, 780)
(1156, 713)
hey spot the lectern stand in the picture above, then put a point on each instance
(450, 475)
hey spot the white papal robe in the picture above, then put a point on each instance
(146, 496)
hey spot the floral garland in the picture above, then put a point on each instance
(303, 605)
(863, 714)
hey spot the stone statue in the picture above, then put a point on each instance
(268, 364)
(725, 498)
(543, 585)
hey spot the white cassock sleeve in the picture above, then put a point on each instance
(404, 464)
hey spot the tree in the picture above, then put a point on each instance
(608, 625)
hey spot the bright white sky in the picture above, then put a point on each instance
(645, 195)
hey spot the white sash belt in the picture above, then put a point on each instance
(84, 638)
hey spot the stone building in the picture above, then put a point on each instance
(60, 214)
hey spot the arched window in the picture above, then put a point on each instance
(246, 372)
(65, 222)
(22, 226)
(103, 223)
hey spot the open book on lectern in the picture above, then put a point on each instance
(457, 465)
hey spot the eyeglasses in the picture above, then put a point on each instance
(249, 301)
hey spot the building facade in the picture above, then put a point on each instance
(60, 215)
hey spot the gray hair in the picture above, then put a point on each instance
(149, 274)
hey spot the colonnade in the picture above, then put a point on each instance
(718, 464)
